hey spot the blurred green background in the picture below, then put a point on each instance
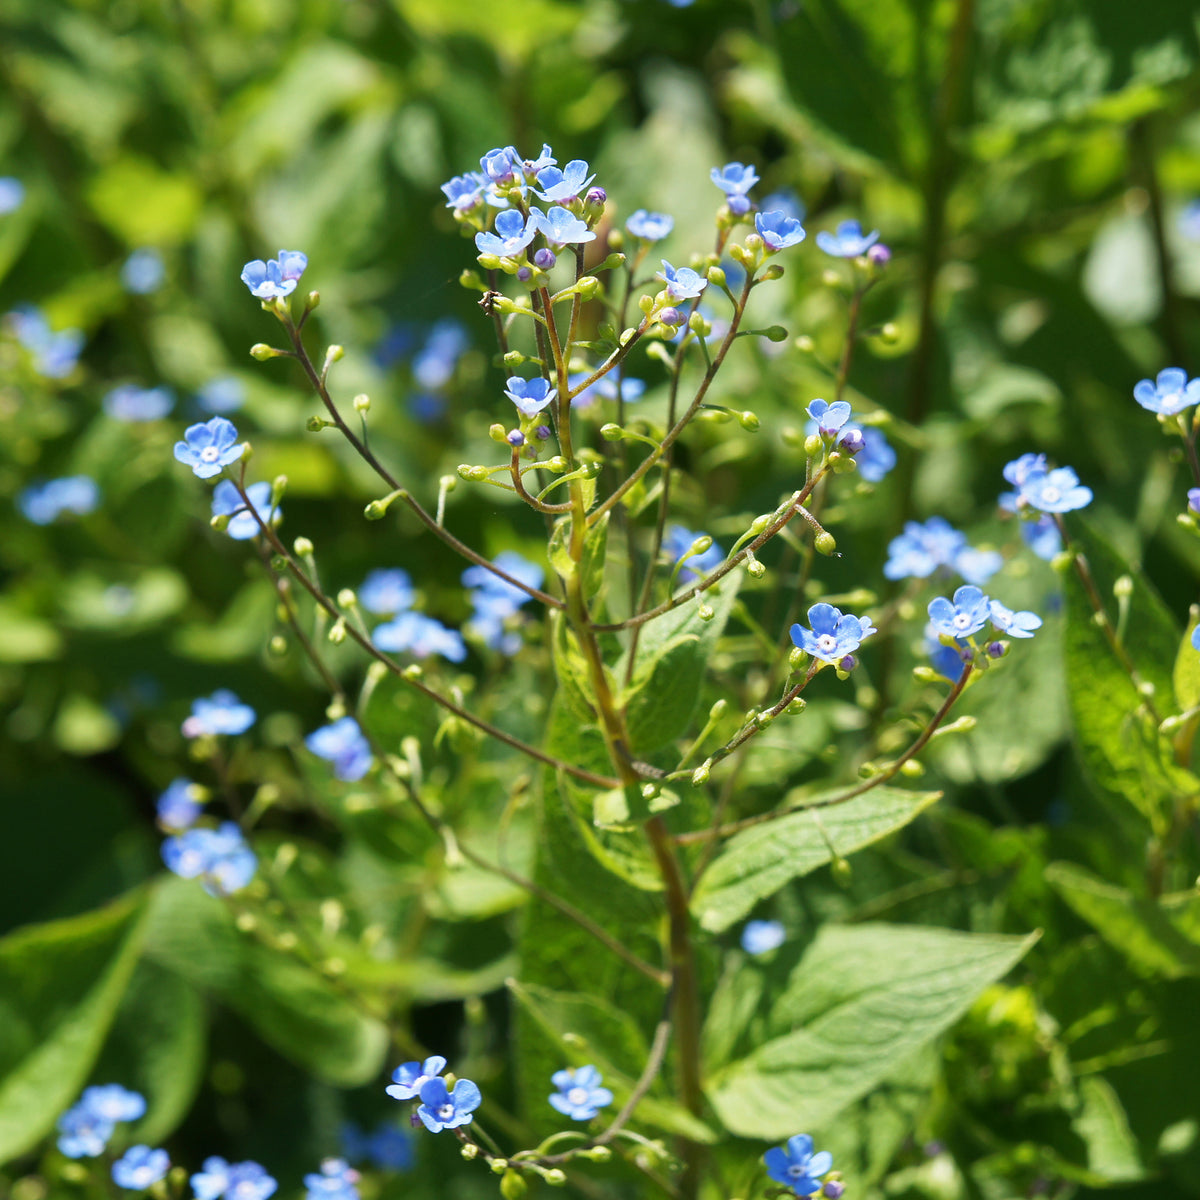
(1030, 162)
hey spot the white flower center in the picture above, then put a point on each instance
(961, 620)
(209, 454)
(445, 1112)
(827, 643)
(1051, 494)
(796, 1170)
(578, 1095)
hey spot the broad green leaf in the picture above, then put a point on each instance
(570, 669)
(672, 659)
(757, 862)
(60, 987)
(1162, 937)
(1112, 1150)
(861, 1000)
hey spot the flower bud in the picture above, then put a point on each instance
(774, 271)
(524, 274)
(813, 445)
(347, 599)
(261, 351)
(471, 281)
(542, 432)
(705, 612)
(749, 421)
(544, 259)
(302, 547)
(833, 1188)
(220, 522)
(362, 403)
(699, 324)
(754, 243)
(554, 1177)
(700, 775)
(497, 432)
(879, 255)
(515, 438)
(852, 442)
(469, 1151)
(716, 276)
(334, 354)
(889, 334)
(278, 646)
(587, 287)
(375, 510)
(316, 424)
(337, 632)
(671, 316)
(611, 432)
(824, 543)
(513, 1186)
(912, 769)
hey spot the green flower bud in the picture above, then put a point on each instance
(513, 1186)
(813, 445)
(774, 271)
(498, 433)
(316, 424)
(824, 543)
(749, 421)
(912, 769)
(261, 351)
(337, 632)
(716, 276)
(362, 403)
(220, 522)
(302, 547)
(278, 646)
(705, 612)
(700, 775)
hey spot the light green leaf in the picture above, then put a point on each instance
(1112, 1150)
(860, 1001)
(25, 638)
(1186, 676)
(757, 862)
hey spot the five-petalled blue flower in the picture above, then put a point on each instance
(796, 1166)
(579, 1094)
(447, 1109)
(276, 277)
(833, 635)
(848, 242)
(343, 744)
(209, 447)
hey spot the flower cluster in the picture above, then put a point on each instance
(234, 1181)
(495, 601)
(441, 1107)
(937, 546)
(85, 1128)
(833, 636)
(1040, 489)
(220, 857)
(834, 423)
(45, 501)
(343, 744)
(954, 623)
(336, 1180)
(220, 713)
(140, 1167)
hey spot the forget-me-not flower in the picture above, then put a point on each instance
(530, 395)
(209, 447)
(501, 164)
(83, 1133)
(55, 353)
(967, 613)
(513, 234)
(561, 227)
(343, 744)
(877, 457)
(140, 1167)
(244, 1181)
(924, 548)
(221, 858)
(463, 192)
(12, 194)
(579, 1094)
(735, 179)
(227, 501)
(211, 1180)
(114, 1102)
(948, 661)
(448, 1109)
(177, 807)
(1054, 491)
(833, 635)
(555, 185)
(421, 636)
(849, 241)
(761, 937)
(220, 713)
(275, 278)
(387, 591)
(650, 226)
(682, 284)
(45, 501)
(512, 563)
(1170, 393)
(408, 1078)
(830, 418)
(678, 541)
(796, 1166)
(777, 230)
(128, 402)
(336, 1180)
(143, 271)
(433, 365)
(1042, 536)
(221, 395)
(1015, 624)
(605, 388)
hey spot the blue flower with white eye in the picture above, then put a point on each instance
(12, 194)
(387, 591)
(650, 226)
(420, 636)
(1056, 491)
(1021, 624)
(833, 635)
(177, 807)
(829, 417)
(849, 241)
(761, 937)
(220, 858)
(464, 192)
(83, 1133)
(113, 1102)
(209, 447)
(876, 458)
(221, 395)
(212, 1180)
(513, 234)
(140, 1167)
(967, 613)
(682, 284)
(561, 227)
(796, 1166)
(1170, 393)
(343, 744)
(735, 179)
(579, 1094)
(777, 230)
(565, 184)
(605, 388)
(246, 1181)
(678, 541)
(408, 1078)
(277, 277)
(220, 713)
(530, 395)
(54, 353)
(448, 1109)
(227, 501)
(143, 271)
(336, 1180)
(45, 501)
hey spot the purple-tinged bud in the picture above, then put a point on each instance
(879, 255)
(544, 259)
(524, 274)
(671, 316)
(738, 205)
(833, 1189)
(596, 195)
(996, 649)
(515, 438)
(1194, 499)
(542, 432)
(852, 442)
(848, 663)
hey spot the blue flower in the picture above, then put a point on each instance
(683, 284)
(561, 227)
(113, 1102)
(209, 447)
(833, 635)
(969, 612)
(421, 636)
(408, 1078)
(848, 242)
(243, 1181)
(500, 165)
(227, 501)
(387, 591)
(778, 230)
(787, 202)
(220, 713)
(1170, 393)
(530, 395)
(977, 566)
(605, 388)
(650, 226)
(139, 1167)
(441, 1109)
(1017, 471)
(1196, 638)
(761, 937)
(275, 277)
(735, 180)
(219, 857)
(514, 564)
(829, 417)
(579, 1094)
(12, 194)
(83, 1133)
(336, 1181)
(344, 745)
(434, 364)
(178, 807)
(565, 184)
(143, 271)
(54, 354)
(876, 458)
(391, 1148)
(132, 403)
(212, 1180)
(797, 1167)
(679, 541)
(223, 394)
(1016, 624)
(45, 501)
(463, 192)
(922, 549)
(1056, 491)
(1189, 220)
(947, 661)
(513, 234)
(1042, 536)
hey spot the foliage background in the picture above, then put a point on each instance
(1027, 162)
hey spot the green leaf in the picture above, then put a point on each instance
(60, 986)
(1186, 676)
(26, 638)
(757, 862)
(1161, 937)
(1112, 1150)
(672, 659)
(861, 1000)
